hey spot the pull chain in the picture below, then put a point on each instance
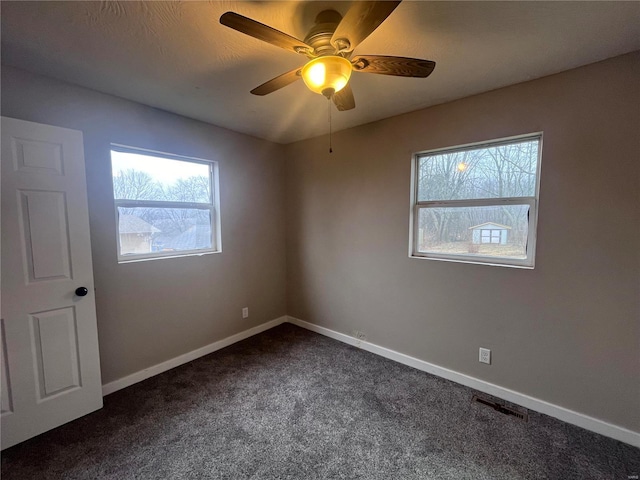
(329, 103)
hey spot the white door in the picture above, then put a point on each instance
(50, 363)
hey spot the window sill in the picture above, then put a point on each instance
(475, 260)
(136, 259)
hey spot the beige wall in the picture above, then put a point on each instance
(566, 332)
(149, 312)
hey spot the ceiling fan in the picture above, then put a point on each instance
(329, 45)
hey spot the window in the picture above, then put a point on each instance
(166, 205)
(477, 203)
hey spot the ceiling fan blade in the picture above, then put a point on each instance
(265, 33)
(358, 23)
(344, 99)
(398, 66)
(277, 83)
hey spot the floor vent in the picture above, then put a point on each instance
(501, 408)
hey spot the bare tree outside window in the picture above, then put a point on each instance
(164, 204)
(476, 203)
(133, 184)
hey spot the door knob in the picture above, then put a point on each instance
(81, 291)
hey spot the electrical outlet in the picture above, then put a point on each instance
(485, 356)
(245, 312)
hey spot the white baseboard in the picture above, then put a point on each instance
(187, 357)
(561, 413)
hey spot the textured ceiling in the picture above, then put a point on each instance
(176, 56)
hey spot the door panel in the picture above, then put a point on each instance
(50, 362)
(7, 402)
(37, 156)
(43, 217)
(55, 343)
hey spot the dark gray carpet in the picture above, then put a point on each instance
(291, 404)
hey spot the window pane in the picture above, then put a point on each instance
(487, 172)
(147, 177)
(144, 230)
(495, 231)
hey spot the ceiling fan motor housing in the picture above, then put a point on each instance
(319, 36)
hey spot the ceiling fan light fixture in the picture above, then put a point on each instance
(327, 75)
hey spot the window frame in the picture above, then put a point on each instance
(531, 201)
(213, 206)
